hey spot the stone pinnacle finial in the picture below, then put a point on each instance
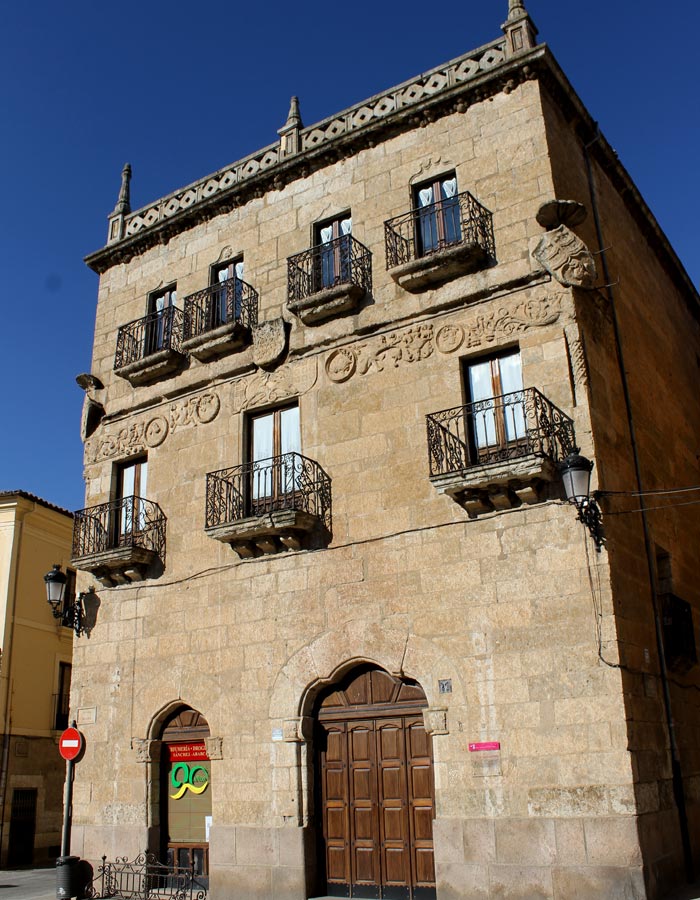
(294, 116)
(519, 29)
(289, 132)
(123, 206)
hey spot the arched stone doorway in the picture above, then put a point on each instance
(375, 788)
(185, 791)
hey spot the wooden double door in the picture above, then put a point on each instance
(377, 793)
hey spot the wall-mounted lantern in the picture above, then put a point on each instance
(576, 476)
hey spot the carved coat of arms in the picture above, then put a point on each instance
(566, 258)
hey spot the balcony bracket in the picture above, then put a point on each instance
(499, 486)
(445, 265)
(227, 338)
(152, 367)
(267, 534)
(122, 565)
(326, 303)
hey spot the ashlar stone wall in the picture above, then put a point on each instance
(500, 606)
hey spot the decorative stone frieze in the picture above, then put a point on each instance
(288, 381)
(150, 431)
(418, 342)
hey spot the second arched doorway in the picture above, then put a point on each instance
(375, 788)
(185, 791)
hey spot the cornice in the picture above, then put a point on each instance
(451, 87)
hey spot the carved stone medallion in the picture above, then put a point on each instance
(566, 258)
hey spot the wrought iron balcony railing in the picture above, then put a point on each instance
(343, 261)
(496, 430)
(287, 482)
(128, 523)
(141, 338)
(459, 220)
(228, 302)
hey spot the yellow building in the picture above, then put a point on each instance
(34, 678)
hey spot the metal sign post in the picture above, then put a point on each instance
(70, 746)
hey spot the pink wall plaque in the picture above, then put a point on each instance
(484, 745)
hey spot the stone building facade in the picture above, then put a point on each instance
(346, 612)
(35, 674)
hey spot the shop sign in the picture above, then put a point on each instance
(189, 751)
(185, 778)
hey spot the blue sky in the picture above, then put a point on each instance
(180, 90)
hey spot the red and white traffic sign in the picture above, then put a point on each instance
(70, 743)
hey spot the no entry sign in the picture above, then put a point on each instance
(70, 743)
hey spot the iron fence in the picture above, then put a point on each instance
(233, 300)
(500, 428)
(145, 878)
(343, 260)
(429, 229)
(161, 330)
(128, 522)
(290, 481)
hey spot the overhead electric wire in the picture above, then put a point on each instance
(683, 490)
(645, 509)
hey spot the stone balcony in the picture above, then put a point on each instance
(271, 505)
(219, 319)
(121, 541)
(149, 349)
(436, 243)
(328, 280)
(499, 453)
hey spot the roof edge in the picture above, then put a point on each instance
(26, 495)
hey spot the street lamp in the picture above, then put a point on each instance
(576, 476)
(70, 614)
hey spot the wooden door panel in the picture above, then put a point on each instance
(423, 823)
(336, 861)
(421, 802)
(394, 866)
(421, 782)
(425, 867)
(364, 824)
(363, 800)
(391, 740)
(392, 779)
(334, 785)
(393, 806)
(394, 825)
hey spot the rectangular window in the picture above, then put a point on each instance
(159, 319)
(496, 418)
(273, 436)
(333, 262)
(62, 706)
(227, 299)
(132, 485)
(438, 222)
